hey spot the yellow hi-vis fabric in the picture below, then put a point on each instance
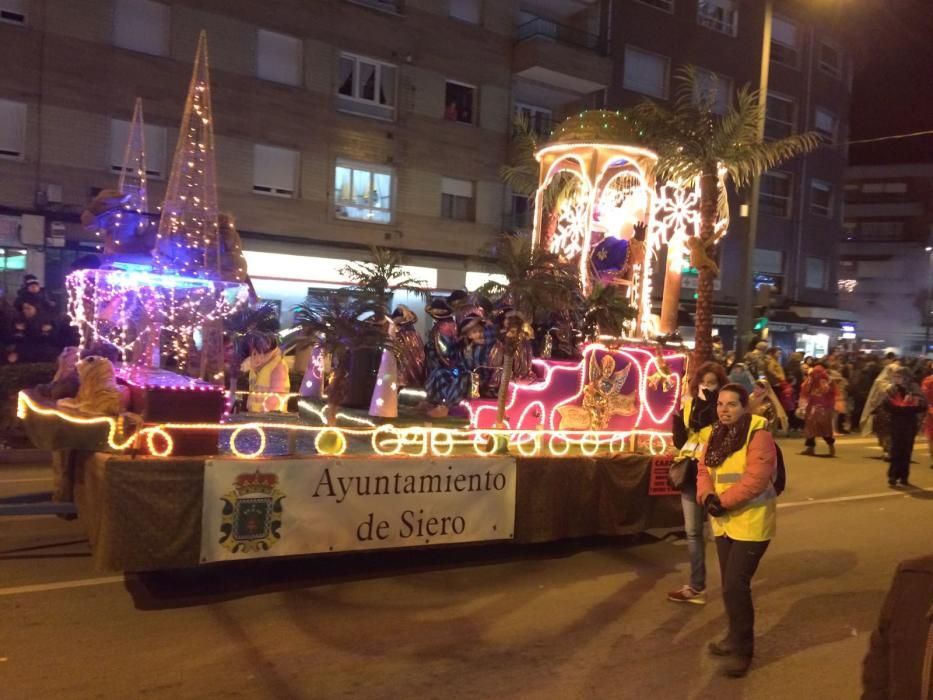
(754, 521)
(695, 440)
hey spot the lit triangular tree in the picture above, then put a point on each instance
(188, 228)
(133, 173)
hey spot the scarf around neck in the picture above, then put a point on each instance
(726, 439)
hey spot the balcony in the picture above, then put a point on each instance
(561, 56)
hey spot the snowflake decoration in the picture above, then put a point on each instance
(676, 213)
(570, 232)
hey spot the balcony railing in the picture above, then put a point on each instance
(561, 33)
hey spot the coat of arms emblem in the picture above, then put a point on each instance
(252, 513)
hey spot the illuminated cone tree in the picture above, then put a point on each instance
(133, 173)
(188, 228)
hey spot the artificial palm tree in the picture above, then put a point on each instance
(382, 276)
(539, 282)
(340, 324)
(252, 329)
(694, 144)
(605, 310)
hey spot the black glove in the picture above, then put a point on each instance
(714, 506)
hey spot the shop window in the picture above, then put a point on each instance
(459, 102)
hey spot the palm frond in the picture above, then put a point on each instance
(340, 323)
(383, 275)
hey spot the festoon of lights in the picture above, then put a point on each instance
(188, 228)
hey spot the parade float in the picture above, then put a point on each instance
(165, 474)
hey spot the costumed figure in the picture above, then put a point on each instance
(561, 341)
(65, 383)
(764, 402)
(905, 403)
(476, 340)
(410, 348)
(268, 380)
(738, 374)
(445, 381)
(384, 403)
(516, 333)
(816, 407)
(755, 360)
(126, 232)
(875, 416)
(98, 393)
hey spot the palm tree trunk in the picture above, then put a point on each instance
(670, 302)
(704, 317)
(709, 201)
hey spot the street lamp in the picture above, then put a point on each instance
(744, 307)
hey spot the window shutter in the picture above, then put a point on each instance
(458, 188)
(784, 32)
(278, 57)
(275, 170)
(12, 129)
(142, 25)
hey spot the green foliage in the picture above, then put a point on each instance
(691, 140)
(382, 276)
(604, 311)
(337, 323)
(539, 282)
(253, 328)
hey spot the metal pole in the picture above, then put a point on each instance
(743, 325)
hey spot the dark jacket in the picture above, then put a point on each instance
(900, 655)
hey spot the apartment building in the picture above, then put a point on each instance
(886, 256)
(348, 123)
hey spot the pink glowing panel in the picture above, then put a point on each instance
(610, 390)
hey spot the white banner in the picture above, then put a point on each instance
(282, 507)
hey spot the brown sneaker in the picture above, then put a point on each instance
(687, 594)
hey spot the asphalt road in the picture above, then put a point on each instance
(583, 619)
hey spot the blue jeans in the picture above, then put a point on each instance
(694, 518)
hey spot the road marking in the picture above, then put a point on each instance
(843, 499)
(61, 585)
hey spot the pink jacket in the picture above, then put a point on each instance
(760, 463)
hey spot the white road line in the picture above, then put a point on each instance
(843, 499)
(60, 585)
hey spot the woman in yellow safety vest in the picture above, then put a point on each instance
(735, 483)
(690, 431)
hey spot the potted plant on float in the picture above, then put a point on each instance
(340, 324)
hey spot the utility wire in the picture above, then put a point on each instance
(892, 137)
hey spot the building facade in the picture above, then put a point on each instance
(886, 257)
(343, 124)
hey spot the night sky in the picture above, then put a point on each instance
(893, 86)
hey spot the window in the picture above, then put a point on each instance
(13, 11)
(523, 209)
(278, 57)
(363, 192)
(666, 5)
(821, 198)
(830, 60)
(466, 10)
(824, 122)
(879, 231)
(775, 195)
(12, 130)
(769, 269)
(459, 102)
(154, 138)
(457, 200)
(645, 72)
(815, 273)
(780, 116)
(141, 25)
(366, 87)
(384, 5)
(713, 89)
(720, 15)
(275, 171)
(539, 118)
(785, 48)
